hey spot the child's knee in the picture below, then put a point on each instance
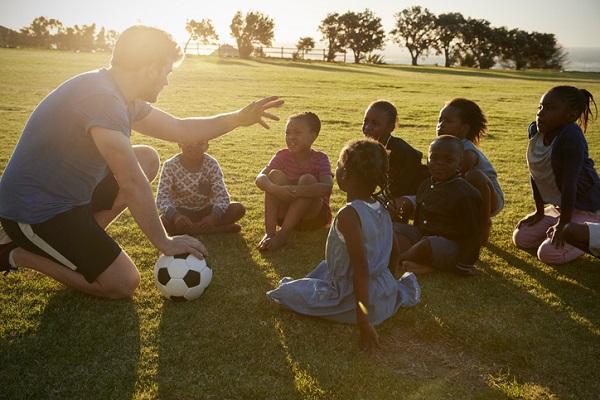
(526, 238)
(307, 179)
(237, 209)
(549, 254)
(277, 177)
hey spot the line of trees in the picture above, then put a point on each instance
(462, 41)
(49, 33)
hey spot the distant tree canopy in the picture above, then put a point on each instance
(415, 29)
(45, 33)
(304, 45)
(202, 32)
(462, 41)
(255, 28)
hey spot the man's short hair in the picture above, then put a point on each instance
(140, 46)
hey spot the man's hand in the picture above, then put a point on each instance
(257, 110)
(184, 244)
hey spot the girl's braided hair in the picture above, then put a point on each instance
(366, 160)
(580, 101)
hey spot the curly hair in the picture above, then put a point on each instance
(311, 119)
(366, 160)
(580, 101)
(471, 114)
(388, 108)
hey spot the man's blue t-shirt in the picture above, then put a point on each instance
(56, 165)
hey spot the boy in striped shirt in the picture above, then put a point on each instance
(297, 183)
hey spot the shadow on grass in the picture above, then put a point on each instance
(226, 334)
(541, 309)
(83, 348)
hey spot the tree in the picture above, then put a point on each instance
(304, 45)
(448, 31)
(415, 29)
(362, 33)
(332, 32)
(202, 31)
(84, 37)
(41, 32)
(481, 44)
(255, 28)
(545, 52)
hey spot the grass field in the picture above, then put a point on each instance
(518, 329)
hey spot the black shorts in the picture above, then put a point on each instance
(322, 219)
(74, 238)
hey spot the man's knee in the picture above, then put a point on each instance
(120, 279)
(148, 159)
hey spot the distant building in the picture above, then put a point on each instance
(226, 50)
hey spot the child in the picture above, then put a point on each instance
(465, 120)
(297, 183)
(584, 236)
(406, 171)
(192, 196)
(355, 284)
(446, 234)
(562, 174)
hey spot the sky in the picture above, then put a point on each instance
(575, 23)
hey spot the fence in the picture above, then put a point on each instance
(226, 50)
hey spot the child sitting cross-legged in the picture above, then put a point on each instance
(192, 196)
(447, 229)
(297, 183)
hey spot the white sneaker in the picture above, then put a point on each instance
(4, 239)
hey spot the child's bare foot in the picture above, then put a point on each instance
(263, 245)
(276, 242)
(416, 268)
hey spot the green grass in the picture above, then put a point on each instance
(519, 329)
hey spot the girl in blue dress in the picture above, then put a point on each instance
(355, 284)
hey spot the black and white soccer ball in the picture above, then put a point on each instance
(182, 277)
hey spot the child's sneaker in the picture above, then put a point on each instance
(4, 239)
(5, 250)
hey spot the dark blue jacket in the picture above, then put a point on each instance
(574, 172)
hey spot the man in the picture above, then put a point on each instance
(74, 169)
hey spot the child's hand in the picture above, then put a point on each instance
(181, 221)
(208, 222)
(286, 194)
(556, 232)
(369, 339)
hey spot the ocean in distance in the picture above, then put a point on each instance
(583, 59)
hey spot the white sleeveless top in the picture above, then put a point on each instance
(539, 161)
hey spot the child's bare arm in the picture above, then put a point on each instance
(321, 188)
(350, 226)
(469, 161)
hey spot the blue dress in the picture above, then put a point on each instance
(328, 291)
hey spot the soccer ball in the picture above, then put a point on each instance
(182, 277)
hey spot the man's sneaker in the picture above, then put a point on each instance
(5, 250)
